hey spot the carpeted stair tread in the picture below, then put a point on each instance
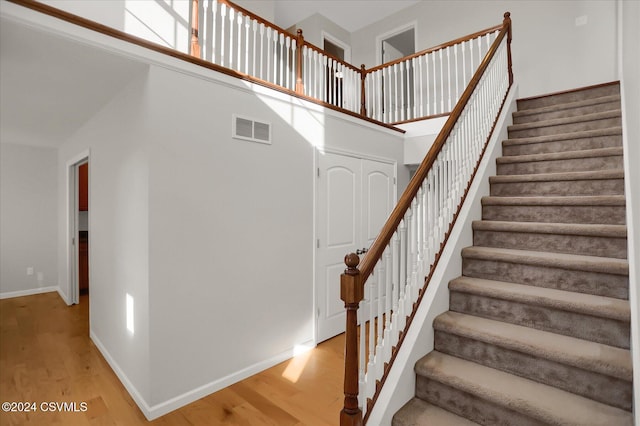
(567, 120)
(599, 200)
(593, 230)
(417, 412)
(598, 306)
(565, 97)
(568, 105)
(592, 356)
(605, 265)
(556, 177)
(609, 131)
(543, 403)
(565, 155)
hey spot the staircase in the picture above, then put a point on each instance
(538, 330)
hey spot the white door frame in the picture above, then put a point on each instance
(73, 284)
(316, 163)
(380, 38)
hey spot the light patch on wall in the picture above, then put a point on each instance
(130, 314)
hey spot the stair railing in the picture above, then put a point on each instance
(427, 83)
(394, 274)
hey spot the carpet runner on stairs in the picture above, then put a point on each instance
(538, 330)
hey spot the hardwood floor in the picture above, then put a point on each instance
(46, 355)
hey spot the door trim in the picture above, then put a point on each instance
(381, 37)
(335, 40)
(316, 164)
(72, 200)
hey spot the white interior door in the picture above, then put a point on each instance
(355, 196)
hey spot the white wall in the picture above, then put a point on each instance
(313, 27)
(550, 53)
(28, 219)
(118, 230)
(165, 23)
(629, 63)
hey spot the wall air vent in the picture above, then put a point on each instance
(251, 130)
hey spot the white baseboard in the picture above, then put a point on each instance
(29, 292)
(158, 410)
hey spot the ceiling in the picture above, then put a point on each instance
(351, 15)
(50, 86)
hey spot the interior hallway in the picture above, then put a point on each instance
(46, 355)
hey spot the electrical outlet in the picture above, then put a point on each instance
(30, 270)
(581, 20)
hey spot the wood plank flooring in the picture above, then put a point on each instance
(46, 355)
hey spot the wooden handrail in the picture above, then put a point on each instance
(357, 272)
(436, 48)
(330, 56)
(252, 15)
(377, 248)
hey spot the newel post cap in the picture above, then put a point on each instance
(351, 288)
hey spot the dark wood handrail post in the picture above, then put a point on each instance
(507, 24)
(195, 41)
(363, 96)
(351, 292)
(299, 58)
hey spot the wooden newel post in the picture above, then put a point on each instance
(299, 60)
(195, 41)
(507, 23)
(363, 96)
(351, 292)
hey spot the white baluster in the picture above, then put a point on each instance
(239, 20)
(449, 76)
(286, 62)
(457, 73)
(247, 23)
(231, 19)
(388, 298)
(395, 283)
(426, 66)
(402, 312)
(214, 14)
(441, 81)
(280, 55)
(223, 19)
(435, 87)
(362, 336)
(472, 70)
(204, 37)
(371, 375)
(402, 96)
(420, 88)
(262, 50)
(254, 28)
(464, 65)
(379, 358)
(395, 92)
(269, 31)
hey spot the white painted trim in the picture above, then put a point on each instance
(400, 384)
(158, 410)
(29, 292)
(335, 40)
(380, 38)
(71, 262)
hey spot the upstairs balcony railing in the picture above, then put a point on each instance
(425, 84)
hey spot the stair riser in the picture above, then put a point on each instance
(470, 406)
(601, 330)
(565, 128)
(566, 113)
(609, 215)
(560, 166)
(563, 145)
(566, 377)
(556, 243)
(598, 283)
(557, 188)
(564, 98)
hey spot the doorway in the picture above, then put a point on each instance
(390, 47)
(78, 225)
(334, 78)
(355, 197)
